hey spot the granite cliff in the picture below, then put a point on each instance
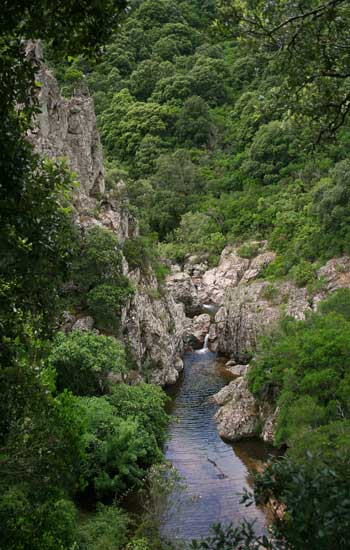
(152, 323)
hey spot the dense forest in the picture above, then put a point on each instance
(228, 123)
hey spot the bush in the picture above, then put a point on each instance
(137, 253)
(124, 436)
(316, 501)
(27, 523)
(106, 530)
(144, 402)
(270, 293)
(99, 260)
(304, 273)
(338, 302)
(248, 250)
(105, 303)
(83, 360)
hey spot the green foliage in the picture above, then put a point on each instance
(145, 403)
(99, 260)
(270, 293)
(141, 253)
(338, 302)
(97, 270)
(248, 250)
(83, 360)
(316, 501)
(242, 537)
(105, 303)
(303, 273)
(123, 437)
(106, 530)
(196, 234)
(293, 36)
(47, 524)
(303, 367)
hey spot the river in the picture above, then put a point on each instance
(214, 472)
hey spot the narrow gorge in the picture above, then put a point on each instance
(174, 275)
(207, 319)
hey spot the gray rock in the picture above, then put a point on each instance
(84, 324)
(200, 326)
(241, 416)
(238, 416)
(184, 291)
(246, 313)
(153, 324)
(238, 370)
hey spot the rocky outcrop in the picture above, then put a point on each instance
(249, 309)
(183, 289)
(246, 307)
(152, 323)
(241, 416)
(197, 285)
(200, 327)
(67, 129)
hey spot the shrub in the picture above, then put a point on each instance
(99, 260)
(270, 293)
(83, 360)
(138, 253)
(303, 273)
(45, 524)
(114, 448)
(106, 530)
(105, 303)
(144, 402)
(248, 250)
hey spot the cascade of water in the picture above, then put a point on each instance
(206, 342)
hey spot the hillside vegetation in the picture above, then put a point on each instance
(228, 121)
(206, 130)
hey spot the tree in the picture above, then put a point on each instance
(83, 361)
(194, 125)
(76, 26)
(311, 40)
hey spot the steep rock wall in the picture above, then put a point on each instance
(152, 323)
(247, 307)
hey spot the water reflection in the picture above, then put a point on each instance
(215, 472)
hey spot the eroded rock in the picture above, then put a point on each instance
(241, 416)
(152, 323)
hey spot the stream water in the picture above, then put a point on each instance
(213, 471)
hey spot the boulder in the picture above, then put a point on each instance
(237, 370)
(238, 416)
(184, 291)
(241, 416)
(84, 324)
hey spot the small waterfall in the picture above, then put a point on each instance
(205, 347)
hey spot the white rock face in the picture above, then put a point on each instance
(200, 326)
(241, 415)
(152, 323)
